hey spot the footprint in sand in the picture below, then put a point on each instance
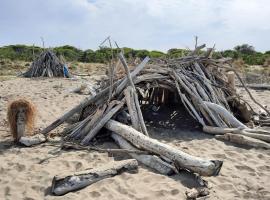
(244, 167)
(264, 168)
(95, 194)
(175, 191)
(19, 167)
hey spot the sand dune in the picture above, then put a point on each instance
(26, 173)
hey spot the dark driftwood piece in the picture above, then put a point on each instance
(180, 158)
(65, 183)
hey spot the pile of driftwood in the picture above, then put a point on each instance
(47, 64)
(197, 82)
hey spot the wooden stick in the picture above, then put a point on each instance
(245, 140)
(69, 145)
(101, 123)
(222, 131)
(225, 115)
(137, 104)
(129, 96)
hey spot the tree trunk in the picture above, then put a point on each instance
(183, 160)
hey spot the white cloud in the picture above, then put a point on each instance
(151, 24)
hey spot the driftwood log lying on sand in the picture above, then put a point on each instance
(65, 183)
(243, 140)
(181, 159)
(151, 161)
(245, 136)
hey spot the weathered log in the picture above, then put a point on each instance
(70, 145)
(257, 86)
(65, 183)
(243, 140)
(228, 117)
(182, 159)
(151, 161)
(221, 131)
(32, 140)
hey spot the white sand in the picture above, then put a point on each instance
(245, 173)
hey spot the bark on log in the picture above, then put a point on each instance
(151, 161)
(183, 160)
(32, 140)
(244, 140)
(65, 183)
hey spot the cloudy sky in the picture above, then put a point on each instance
(141, 24)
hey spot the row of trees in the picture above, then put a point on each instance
(70, 53)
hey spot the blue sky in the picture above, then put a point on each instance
(141, 24)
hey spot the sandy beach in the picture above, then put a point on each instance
(26, 173)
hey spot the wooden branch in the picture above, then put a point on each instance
(136, 100)
(183, 160)
(244, 140)
(123, 84)
(65, 183)
(101, 123)
(153, 162)
(247, 90)
(225, 115)
(69, 145)
(256, 86)
(129, 96)
(219, 130)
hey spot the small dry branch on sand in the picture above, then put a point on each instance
(197, 82)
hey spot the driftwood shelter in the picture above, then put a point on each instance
(197, 82)
(47, 64)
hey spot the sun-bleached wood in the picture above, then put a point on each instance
(68, 182)
(183, 160)
(151, 161)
